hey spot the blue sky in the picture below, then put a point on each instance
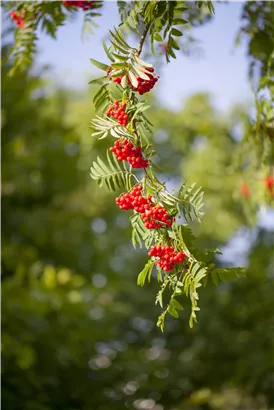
(221, 70)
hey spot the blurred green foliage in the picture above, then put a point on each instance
(77, 333)
(258, 27)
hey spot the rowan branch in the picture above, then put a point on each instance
(140, 47)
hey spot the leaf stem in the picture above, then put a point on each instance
(135, 132)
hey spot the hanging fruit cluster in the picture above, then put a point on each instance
(117, 111)
(85, 5)
(18, 19)
(166, 256)
(125, 151)
(134, 200)
(157, 217)
(154, 216)
(144, 84)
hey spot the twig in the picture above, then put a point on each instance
(140, 47)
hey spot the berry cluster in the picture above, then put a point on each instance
(85, 5)
(117, 111)
(156, 216)
(18, 19)
(167, 256)
(125, 151)
(153, 216)
(143, 86)
(134, 200)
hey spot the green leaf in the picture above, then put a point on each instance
(227, 274)
(124, 81)
(159, 297)
(117, 73)
(138, 230)
(176, 304)
(119, 48)
(146, 273)
(173, 312)
(181, 8)
(191, 201)
(133, 79)
(159, 276)
(157, 37)
(119, 65)
(98, 80)
(119, 37)
(98, 64)
(171, 53)
(119, 57)
(111, 174)
(108, 53)
(179, 21)
(108, 125)
(214, 278)
(176, 32)
(187, 236)
(136, 239)
(142, 63)
(157, 167)
(174, 44)
(161, 321)
(200, 275)
(101, 97)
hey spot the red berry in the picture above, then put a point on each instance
(269, 182)
(245, 190)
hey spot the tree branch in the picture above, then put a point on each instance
(140, 47)
(139, 50)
